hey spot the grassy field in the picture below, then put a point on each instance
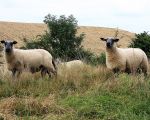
(78, 94)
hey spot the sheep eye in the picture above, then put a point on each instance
(11, 44)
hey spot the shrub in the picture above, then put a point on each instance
(102, 59)
(142, 41)
(97, 60)
(61, 39)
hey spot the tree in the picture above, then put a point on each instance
(61, 39)
(142, 41)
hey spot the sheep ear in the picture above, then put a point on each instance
(14, 42)
(116, 40)
(3, 41)
(103, 39)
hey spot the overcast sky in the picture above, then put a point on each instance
(131, 15)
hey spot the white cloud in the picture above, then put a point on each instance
(126, 14)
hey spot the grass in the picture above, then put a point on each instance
(80, 94)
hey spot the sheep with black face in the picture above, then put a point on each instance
(124, 59)
(33, 59)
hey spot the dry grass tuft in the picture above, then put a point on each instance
(6, 108)
(29, 106)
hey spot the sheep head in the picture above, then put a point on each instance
(110, 41)
(8, 45)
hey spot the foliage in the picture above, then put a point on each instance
(61, 39)
(102, 59)
(142, 41)
(97, 60)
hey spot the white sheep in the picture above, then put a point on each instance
(124, 59)
(33, 59)
(72, 64)
(67, 66)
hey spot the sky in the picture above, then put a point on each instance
(130, 15)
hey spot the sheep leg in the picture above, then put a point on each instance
(144, 71)
(133, 70)
(119, 70)
(127, 68)
(52, 71)
(116, 70)
(18, 73)
(43, 72)
(144, 66)
(49, 74)
(14, 72)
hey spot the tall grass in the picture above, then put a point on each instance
(78, 94)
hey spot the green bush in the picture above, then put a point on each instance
(102, 59)
(61, 39)
(97, 60)
(142, 41)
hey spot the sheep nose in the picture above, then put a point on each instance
(108, 44)
(7, 50)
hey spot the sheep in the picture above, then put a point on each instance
(68, 66)
(124, 59)
(71, 64)
(33, 60)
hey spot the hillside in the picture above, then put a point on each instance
(78, 93)
(20, 31)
